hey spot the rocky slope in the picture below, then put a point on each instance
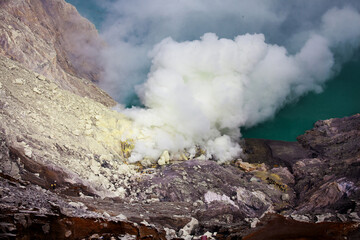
(53, 126)
(51, 38)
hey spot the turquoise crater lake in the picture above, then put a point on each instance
(340, 98)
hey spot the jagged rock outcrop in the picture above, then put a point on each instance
(334, 138)
(334, 167)
(31, 212)
(51, 38)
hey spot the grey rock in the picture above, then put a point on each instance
(285, 197)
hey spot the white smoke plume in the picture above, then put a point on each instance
(199, 92)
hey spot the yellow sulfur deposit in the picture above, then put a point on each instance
(271, 178)
(113, 131)
(249, 167)
(126, 147)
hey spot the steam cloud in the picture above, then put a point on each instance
(199, 92)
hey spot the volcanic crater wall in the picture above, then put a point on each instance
(51, 38)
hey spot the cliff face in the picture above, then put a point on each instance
(51, 38)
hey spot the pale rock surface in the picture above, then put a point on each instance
(34, 33)
(164, 158)
(54, 126)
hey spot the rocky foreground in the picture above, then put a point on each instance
(64, 175)
(63, 163)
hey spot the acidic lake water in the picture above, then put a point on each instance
(340, 98)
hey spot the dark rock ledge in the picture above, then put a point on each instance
(304, 190)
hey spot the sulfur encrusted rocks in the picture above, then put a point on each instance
(57, 127)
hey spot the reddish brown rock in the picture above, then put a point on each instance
(276, 227)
